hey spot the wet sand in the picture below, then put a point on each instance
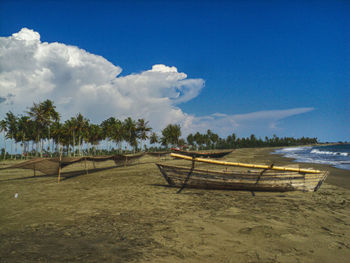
(129, 214)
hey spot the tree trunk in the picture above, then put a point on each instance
(68, 149)
(22, 150)
(79, 145)
(41, 147)
(11, 147)
(37, 146)
(15, 150)
(4, 147)
(49, 141)
(74, 143)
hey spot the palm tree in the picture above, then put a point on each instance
(3, 128)
(107, 129)
(58, 134)
(70, 130)
(199, 139)
(51, 115)
(142, 129)
(171, 134)
(94, 136)
(153, 138)
(23, 132)
(37, 114)
(214, 138)
(130, 132)
(11, 121)
(190, 139)
(118, 133)
(82, 125)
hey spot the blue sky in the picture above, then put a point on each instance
(253, 56)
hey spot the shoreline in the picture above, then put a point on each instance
(338, 177)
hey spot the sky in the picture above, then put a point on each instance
(243, 67)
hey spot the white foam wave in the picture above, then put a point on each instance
(319, 161)
(292, 149)
(308, 154)
(316, 151)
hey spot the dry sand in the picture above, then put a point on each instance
(129, 214)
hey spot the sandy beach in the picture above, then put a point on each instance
(129, 214)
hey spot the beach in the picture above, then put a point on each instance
(130, 214)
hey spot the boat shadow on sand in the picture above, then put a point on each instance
(201, 191)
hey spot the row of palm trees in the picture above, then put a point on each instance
(40, 128)
(39, 132)
(211, 140)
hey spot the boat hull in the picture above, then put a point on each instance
(252, 181)
(203, 154)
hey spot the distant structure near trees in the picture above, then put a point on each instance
(39, 132)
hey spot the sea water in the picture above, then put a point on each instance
(335, 155)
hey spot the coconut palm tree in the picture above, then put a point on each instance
(82, 125)
(70, 132)
(142, 129)
(94, 136)
(38, 115)
(190, 139)
(23, 132)
(199, 139)
(107, 130)
(213, 138)
(11, 121)
(130, 132)
(3, 128)
(153, 138)
(51, 116)
(171, 135)
(118, 133)
(58, 135)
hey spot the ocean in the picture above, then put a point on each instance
(335, 155)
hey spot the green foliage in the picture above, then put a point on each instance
(211, 140)
(171, 135)
(42, 124)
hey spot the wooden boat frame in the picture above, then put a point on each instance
(262, 178)
(218, 154)
(251, 180)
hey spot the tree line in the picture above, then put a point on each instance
(40, 132)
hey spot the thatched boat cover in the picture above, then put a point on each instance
(50, 166)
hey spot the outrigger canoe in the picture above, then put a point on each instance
(263, 178)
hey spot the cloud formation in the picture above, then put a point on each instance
(265, 121)
(78, 81)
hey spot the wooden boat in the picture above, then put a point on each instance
(158, 154)
(267, 178)
(217, 154)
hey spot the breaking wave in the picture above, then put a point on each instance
(315, 151)
(334, 155)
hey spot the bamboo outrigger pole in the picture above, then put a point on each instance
(268, 167)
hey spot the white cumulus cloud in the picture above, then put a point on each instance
(78, 81)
